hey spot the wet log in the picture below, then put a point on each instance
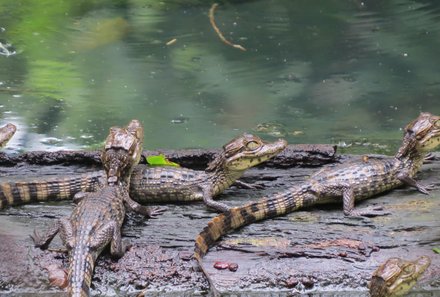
(293, 155)
(312, 251)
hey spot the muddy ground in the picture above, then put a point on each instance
(315, 251)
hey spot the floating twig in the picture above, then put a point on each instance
(217, 30)
(172, 41)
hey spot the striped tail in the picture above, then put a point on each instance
(16, 193)
(81, 266)
(265, 208)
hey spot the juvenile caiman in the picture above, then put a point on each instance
(157, 184)
(397, 276)
(97, 219)
(353, 181)
(6, 132)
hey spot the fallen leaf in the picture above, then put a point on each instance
(160, 160)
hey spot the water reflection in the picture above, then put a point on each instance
(329, 71)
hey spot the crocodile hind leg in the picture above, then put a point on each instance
(110, 232)
(62, 226)
(149, 212)
(349, 199)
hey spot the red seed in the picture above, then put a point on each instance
(221, 265)
(233, 267)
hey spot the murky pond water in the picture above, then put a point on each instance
(347, 72)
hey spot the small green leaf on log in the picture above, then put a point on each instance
(160, 160)
(436, 250)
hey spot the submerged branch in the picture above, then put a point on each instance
(217, 30)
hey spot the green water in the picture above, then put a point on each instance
(347, 72)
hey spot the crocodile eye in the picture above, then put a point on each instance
(252, 145)
(409, 268)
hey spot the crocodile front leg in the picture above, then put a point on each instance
(148, 212)
(349, 199)
(409, 181)
(62, 226)
(207, 199)
(79, 196)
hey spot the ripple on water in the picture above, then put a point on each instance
(51, 141)
(385, 29)
(86, 136)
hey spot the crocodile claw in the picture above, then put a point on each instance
(426, 189)
(374, 211)
(154, 212)
(244, 185)
(429, 157)
(38, 241)
(126, 245)
(256, 187)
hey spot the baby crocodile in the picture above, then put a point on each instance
(157, 184)
(171, 184)
(97, 219)
(6, 132)
(354, 181)
(397, 276)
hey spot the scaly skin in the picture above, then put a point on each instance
(157, 184)
(397, 276)
(354, 181)
(6, 132)
(56, 188)
(171, 184)
(97, 219)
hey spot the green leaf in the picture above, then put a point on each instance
(160, 160)
(436, 250)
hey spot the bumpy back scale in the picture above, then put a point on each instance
(97, 219)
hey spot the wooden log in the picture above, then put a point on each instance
(313, 250)
(294, 155)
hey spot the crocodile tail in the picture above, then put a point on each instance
(81, 268)
(281, 203)
(22, 192)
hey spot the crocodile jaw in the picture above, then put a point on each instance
(247, 159)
